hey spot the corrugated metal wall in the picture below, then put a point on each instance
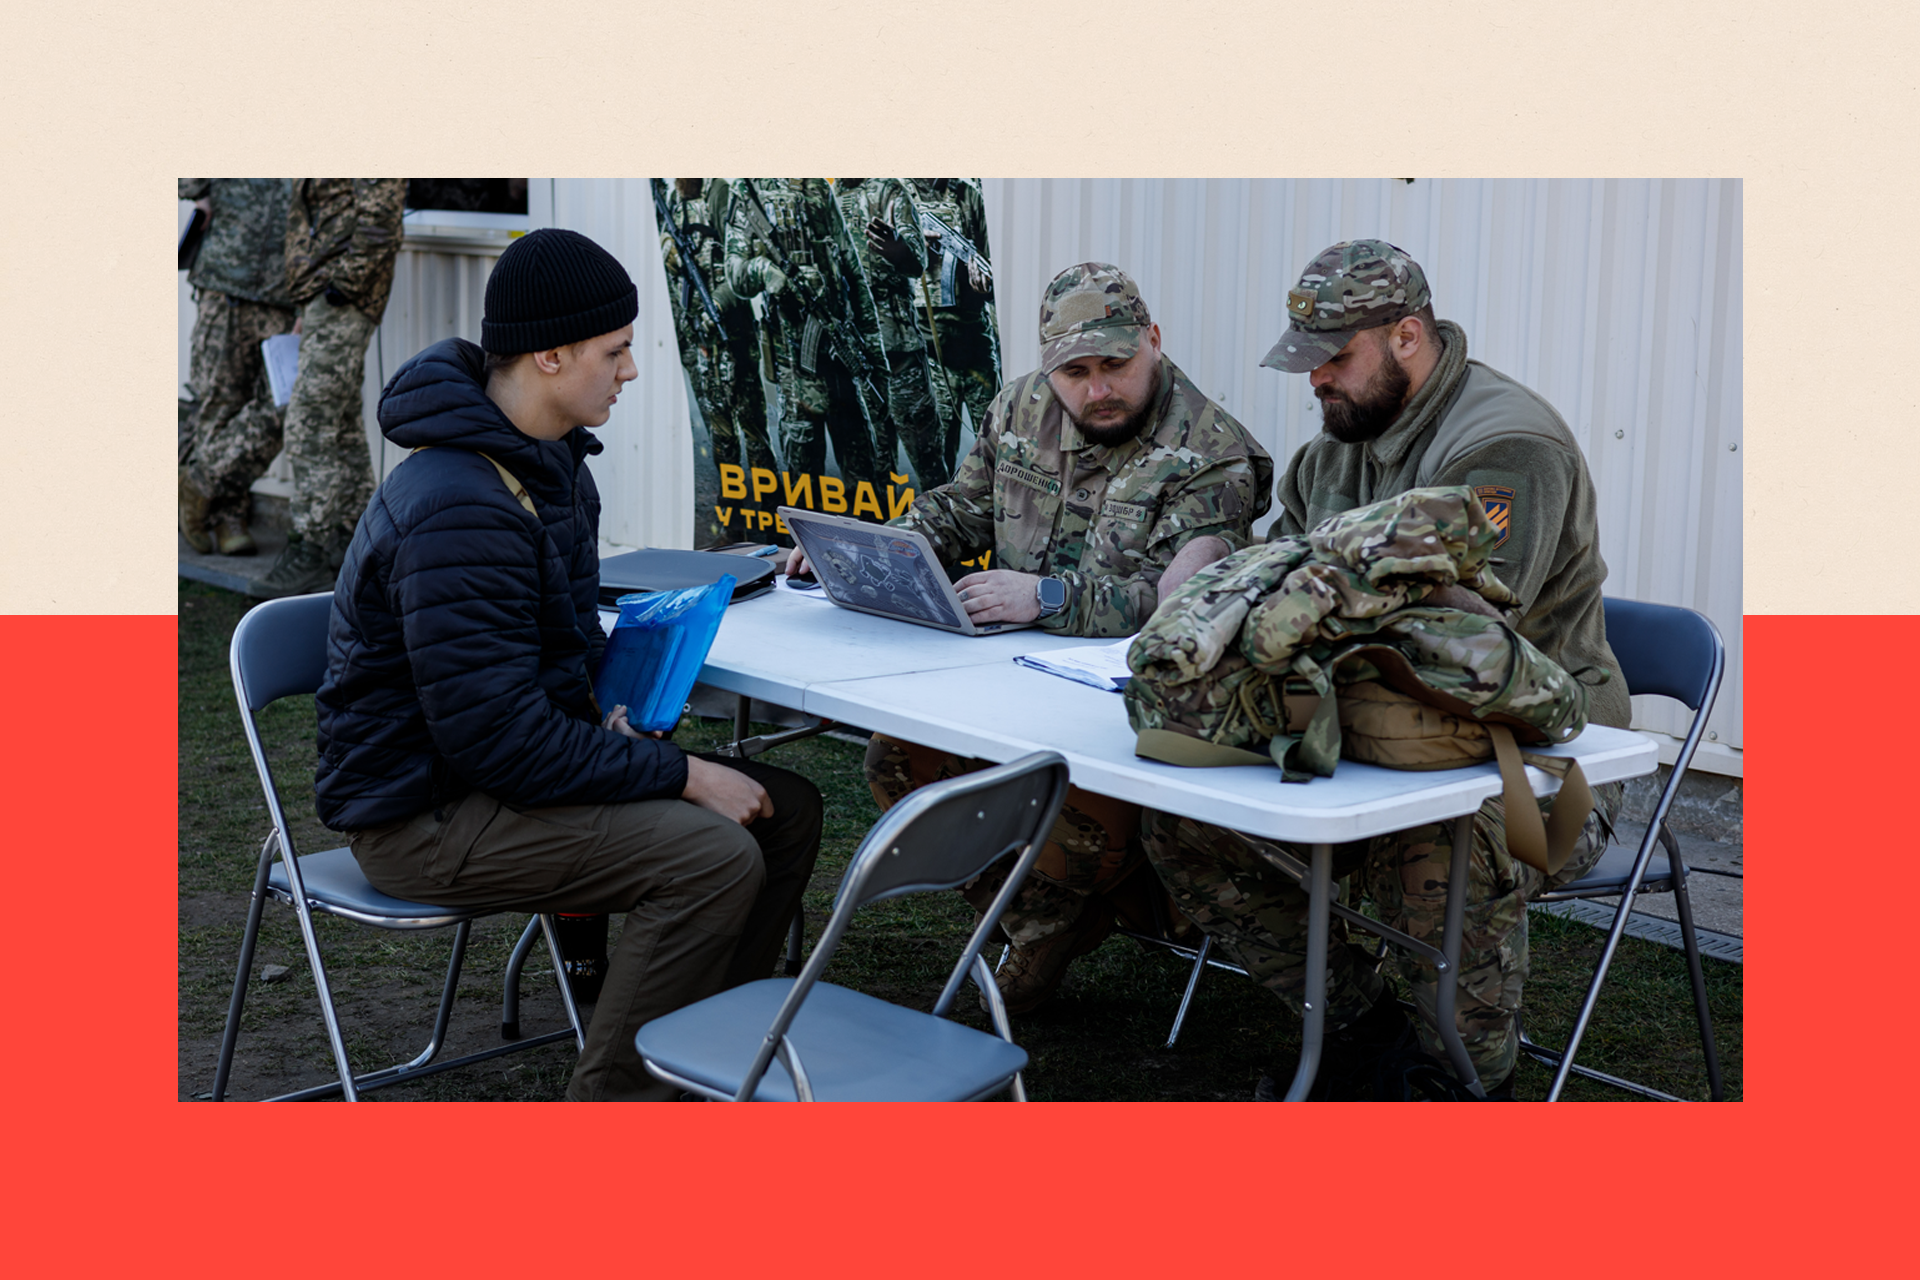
(1619, 300)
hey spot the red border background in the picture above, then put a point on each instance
(108, 1173)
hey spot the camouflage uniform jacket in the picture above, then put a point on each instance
(1105, 521)
(695, 222)
(244, 254)
(344, 233)
(861, 201)
(958, 203)
(1508, 444)
(810, 232)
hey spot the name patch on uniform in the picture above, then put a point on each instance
(1498, 500)
(1030, 478)
(1134, 511)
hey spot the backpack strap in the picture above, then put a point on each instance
(514, 487)
(1544, 845)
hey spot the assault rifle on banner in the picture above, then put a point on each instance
(821, 321)
(690, 281)
(955, 249)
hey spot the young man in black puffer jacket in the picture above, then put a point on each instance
(461, 749)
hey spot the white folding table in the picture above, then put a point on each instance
(965, 694)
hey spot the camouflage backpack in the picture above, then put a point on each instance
(1302, 650)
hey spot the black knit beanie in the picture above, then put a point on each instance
(552, 287)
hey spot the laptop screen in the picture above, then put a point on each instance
(875, 569)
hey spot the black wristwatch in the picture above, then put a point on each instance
(1052, 594)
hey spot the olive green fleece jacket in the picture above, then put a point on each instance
(1499, 438)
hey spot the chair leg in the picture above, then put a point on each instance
(1447, 984)
(461, 933)
(231, 1035)
(1193, 980)
(1683, 906)
(510, 990)
(796, 941)
(566, 988)
(325, 992)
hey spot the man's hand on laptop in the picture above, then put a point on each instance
(1000, 595)
(727, 792)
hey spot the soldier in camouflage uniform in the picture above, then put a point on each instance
(1404, 408)
(822, 323)
(885, 224)
(343, 235)
(233, 429)
(1087, 478)
(960, 329)
(720, 359)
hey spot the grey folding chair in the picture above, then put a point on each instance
(278, 650)
(838, 1044)
(1676, 653)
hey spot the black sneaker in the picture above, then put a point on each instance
(1349, 1056)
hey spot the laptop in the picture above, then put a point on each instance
(890, 572)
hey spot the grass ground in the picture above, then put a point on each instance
(1101, 1038)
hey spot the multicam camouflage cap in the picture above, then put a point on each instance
(1092, 309)
(1354, 285)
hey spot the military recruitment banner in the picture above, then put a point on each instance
(838, 338)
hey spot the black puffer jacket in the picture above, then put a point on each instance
(464, 631)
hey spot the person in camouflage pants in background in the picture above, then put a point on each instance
(1404, 408)
(822, 324)
(233, 429)
(721, 360)
(1088, 478)
(963, 337)
(343, 236)
(885, 225)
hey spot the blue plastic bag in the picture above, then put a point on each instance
(656, 649)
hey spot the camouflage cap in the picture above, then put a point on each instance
(1355, 285)
(1092, 309)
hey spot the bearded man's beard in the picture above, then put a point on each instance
(1367, 415)
(1128, 427)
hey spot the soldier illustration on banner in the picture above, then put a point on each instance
(838, 338)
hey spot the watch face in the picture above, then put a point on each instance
(1053, 595)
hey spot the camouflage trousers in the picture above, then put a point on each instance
(1092, 846)
(916, 419)
(1259, 913)
(967, 372)
(233, 429)
(326, 436)
(815, 406)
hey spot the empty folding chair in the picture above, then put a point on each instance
(838, 1044)
(279, 650)
(1677, 653)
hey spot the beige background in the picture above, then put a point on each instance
(105, 107)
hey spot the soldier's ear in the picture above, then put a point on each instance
(547, 361)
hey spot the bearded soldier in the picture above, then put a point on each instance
(786, 240)
(1404, 408)
(1088, 478)
(714, 327)
(954, 301)
(885, 224)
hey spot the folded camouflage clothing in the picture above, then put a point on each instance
(1303, 649)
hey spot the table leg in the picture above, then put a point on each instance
(1448, 985)
(1319, 894)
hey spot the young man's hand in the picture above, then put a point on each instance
(797, 563)
(617, 721)
(727, 792)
